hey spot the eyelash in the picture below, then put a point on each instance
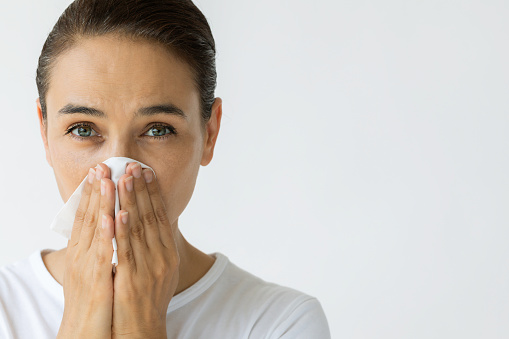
(157, 125)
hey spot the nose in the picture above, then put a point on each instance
(120, 146)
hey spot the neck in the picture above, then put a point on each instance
(193, 263)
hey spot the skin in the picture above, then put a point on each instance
(118, 76)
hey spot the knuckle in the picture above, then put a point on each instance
(72, 246)
(137, 231)
(96, 188)
(160, 270)
(148, 218)
(75, 274)
(152, 188)
(100, 258)
(140, 188)
(90, 219)
(122, 235)
(131, 200)
(97, 234)
(105, 169)
(161, 214)
(164, 267)
(127, 255)
(80, 216)
(87, 188)
(73, 260)
(103, 205)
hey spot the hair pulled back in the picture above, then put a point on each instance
(177, 24)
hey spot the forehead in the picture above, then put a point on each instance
(116, 72)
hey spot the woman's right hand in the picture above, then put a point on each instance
(88, 280)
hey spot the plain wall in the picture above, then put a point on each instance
(362, 157)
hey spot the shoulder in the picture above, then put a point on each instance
(18, 282)
(278, 311)
(14, 276)
(255, 290)
(28, 295)
(14, 288)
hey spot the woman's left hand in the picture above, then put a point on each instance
(147, 273)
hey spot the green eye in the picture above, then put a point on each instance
(159, 131)
(82, 131)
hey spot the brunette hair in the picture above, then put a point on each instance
(177, 24)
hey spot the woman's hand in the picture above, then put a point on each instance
(88, 281)
(148, 261)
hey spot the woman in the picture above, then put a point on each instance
(136, 79)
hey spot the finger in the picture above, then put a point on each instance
(106, 170)
(124, 250)
(91, 218)
(145, 210)
(127, 201)
(107, 203)
(82, 209)
(102, 249)
(163, 221)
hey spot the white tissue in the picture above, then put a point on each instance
(64, 220)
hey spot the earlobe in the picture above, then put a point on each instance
(44, 131)
(212, 131)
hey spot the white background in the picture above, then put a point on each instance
(362, 158)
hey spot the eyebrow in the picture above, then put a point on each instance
(144, 111)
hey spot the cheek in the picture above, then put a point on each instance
(177, 184)
(70, 168)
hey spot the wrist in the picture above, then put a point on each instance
(155, 334)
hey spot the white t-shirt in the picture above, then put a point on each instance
(227, 302)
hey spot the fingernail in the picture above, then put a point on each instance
(124, 217)
(103, 187)
(147, 174)
(105, 221)
(129, 183)
(136, 168)
(99, 172)
(91, 175)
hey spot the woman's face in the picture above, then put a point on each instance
(117, 81)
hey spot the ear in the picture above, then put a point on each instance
(44, 131)
(211, 131)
